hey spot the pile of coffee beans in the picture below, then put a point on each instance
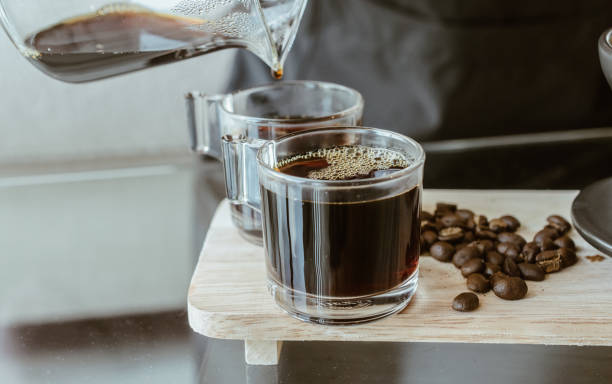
(490, 255)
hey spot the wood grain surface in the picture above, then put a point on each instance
(228, 298)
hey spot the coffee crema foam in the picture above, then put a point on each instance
(349, 162)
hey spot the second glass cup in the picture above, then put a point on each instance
(242, 121)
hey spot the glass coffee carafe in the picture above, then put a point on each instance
(77, 41)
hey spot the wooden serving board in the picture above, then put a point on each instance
(228, 298)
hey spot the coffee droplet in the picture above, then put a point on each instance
(277, 73)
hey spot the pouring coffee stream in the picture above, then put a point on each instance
(124, 37)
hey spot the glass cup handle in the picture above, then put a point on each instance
(240, 167)
(203, 123)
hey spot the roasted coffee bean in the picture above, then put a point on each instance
(428, 226)
(452, 220)
(496, 276)
(510, 288)
(530, 250)
(442, 251)
(426, 216)
(464, 254)
(491, 269)
(531, 272)
(549, 261)
(465, 214)
(482, 222)
(498, 225)
(470, 225)
(550, 266)
(510, 268)
(478, 283)
(460, 245)
(513, 223)
(485, 234)
(465, 302)
(510, 250)
(559, 222)
(489, 245)
(494, 257)
(565, 242)
(546, 244)
(549, 232)
(468, 236)
(430, 237)
(509, 237)
(547, 255)
(568, 257)
(451, 234)
(476, 265)
(424, 246)
(480, 245)
(445, 207)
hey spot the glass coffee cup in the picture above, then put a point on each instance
(242, 121)
(341, 221)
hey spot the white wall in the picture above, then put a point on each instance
(42, 119)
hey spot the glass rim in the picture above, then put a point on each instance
(359, 103)
(606, 40)
(270, 170)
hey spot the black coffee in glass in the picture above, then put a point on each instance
(350, 248)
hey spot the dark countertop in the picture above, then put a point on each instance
(96, 262)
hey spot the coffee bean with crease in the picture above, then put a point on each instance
(465, 302)
(512, 222)
(510, 250)
(478, 283)
(494, 257)
(531, 272)
(498, 225)
(510, 237)
(463, 255)
(510, 288)
(565, 242)
(430, 237)
(451, 234)
(491, 269)
(475, 265)
(442, 251)
(529, 252)
(510, 268)
(452, 220)
(559, 222)
(485, 234)
(549, 261)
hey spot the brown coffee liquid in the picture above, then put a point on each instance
(117, 39)
(341, 249)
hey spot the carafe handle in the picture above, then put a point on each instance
(203, 120)
(240, 166)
